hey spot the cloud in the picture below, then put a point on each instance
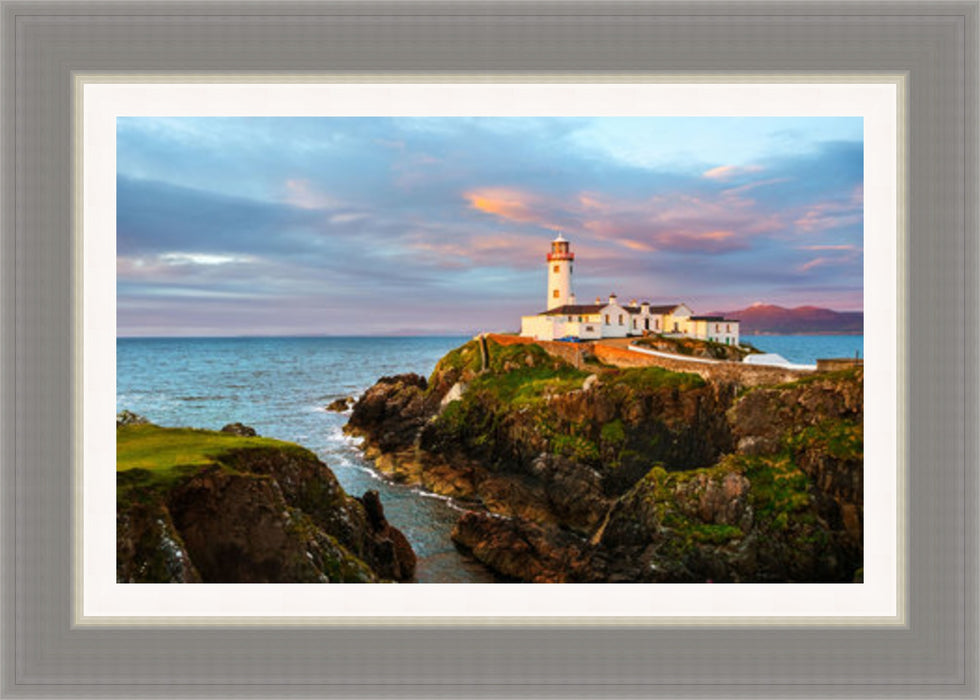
(506, 203)
(302, 194)
(845, 246)
(504, 249)
(178, 258)
(729, 172)
(312, 216)
(823, 216)
(816, 262)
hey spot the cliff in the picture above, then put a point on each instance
(230, 507)
(594, 473)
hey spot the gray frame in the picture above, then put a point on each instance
(934, 44)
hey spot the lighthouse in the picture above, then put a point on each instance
(560, 274)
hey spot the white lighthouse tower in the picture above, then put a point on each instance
(560, 274)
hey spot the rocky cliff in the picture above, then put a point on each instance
(603, 474)
(231, 507)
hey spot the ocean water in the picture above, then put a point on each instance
(807, 349)
(280, 386)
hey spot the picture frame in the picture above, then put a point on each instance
(930, 47)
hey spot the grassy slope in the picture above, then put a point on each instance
(151, 456)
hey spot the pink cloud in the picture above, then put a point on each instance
(302, 194)
(463, 250)
(509, 204)
(829, 215)
(683, 222)
(816, 262)
(725, 173)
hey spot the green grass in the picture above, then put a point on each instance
(653, 378)
(658, 489)
(849, 374)
(529, 385)
(152, 448)
(466, 356)
(840, 439)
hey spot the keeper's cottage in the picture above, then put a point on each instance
(564, 319)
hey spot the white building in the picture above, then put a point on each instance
(563, 318)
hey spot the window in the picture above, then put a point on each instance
(555, 268)
(656, 324)
(569, 319)
(554, 294)
(634, 324)
(579, 319)
(675, 326)
(621, 319)
(569, 268)
(646, 324)
(589, 328)
(607, 319)
(717, 327)
(728, 328)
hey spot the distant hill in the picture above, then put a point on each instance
(770, 319)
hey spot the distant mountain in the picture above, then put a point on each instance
(771, 319)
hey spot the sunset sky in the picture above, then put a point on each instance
(349, 226)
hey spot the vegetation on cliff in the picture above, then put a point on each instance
(594, 473)
(199, 505)
(696, 347)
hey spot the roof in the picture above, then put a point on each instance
(665, 309)
(714, 318)
(574, 309)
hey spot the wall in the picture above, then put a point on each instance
(746, 375)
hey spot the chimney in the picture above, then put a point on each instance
(645, 307)
(612, 297)
(598, 300)
(632, 303)
(571, 298)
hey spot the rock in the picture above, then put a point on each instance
(574, 492)
(239, 429)
(239, 529)
(340, 405)
(523, 551)
(390, 552)
(357, 524)
(129, 418)
(392, 412)
(455, 393)
(265, 513)
(630, 474)
(148, 547)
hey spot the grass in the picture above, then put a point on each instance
(151, 459)
(659, 488)
(529, 385)
(653, 378)
(466, 356)
(840, 439)
(850, 374)
(153, 448)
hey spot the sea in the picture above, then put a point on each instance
(280, 387)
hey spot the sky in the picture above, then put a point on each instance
(394, 226)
